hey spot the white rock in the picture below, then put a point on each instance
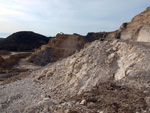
(72, 61)
(46, 99)
(42, 96)
(53, 69)
(144, 34)
(40, 102)
(83, 102)
(49, 73)
(84, 72)
(114, 42)
(108, 50)
(111, 56)
(67, 111)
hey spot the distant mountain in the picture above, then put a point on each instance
(1, 38)
(23, 41)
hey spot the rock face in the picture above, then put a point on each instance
(23, 41)
(63, 45)
(144, 34)
(95, 36)
(139, 26)
(103, 36)
(110, 76)
(140, 19)
(70, 42)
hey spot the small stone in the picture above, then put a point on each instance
(144, 111)
(40, 102)
(67, 111)
(111, 56)
(1, 106)
(49, 73)
(100, 112)
(53, 69)
(44, 72)
(42, 96)
(46, 110)
(83, 102)
(108, 50)
(77, 103)
(46, 99)
(69, 73)
(90, 104)
(70, 111)
(84, 72)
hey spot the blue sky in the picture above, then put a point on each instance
(49, 17)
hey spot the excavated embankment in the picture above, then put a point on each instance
(110, 76)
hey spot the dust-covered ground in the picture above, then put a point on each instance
(105, 77)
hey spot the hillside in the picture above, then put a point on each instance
(23, 41)
(1, 38)
(110, 75)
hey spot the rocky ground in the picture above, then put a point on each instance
(13, 64)
(106, 76)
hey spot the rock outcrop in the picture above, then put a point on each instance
(95, 36)
(103, 36)
(63, 45)
(139, 26)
